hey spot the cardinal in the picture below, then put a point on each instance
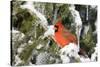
(67, 41)
(63, 36)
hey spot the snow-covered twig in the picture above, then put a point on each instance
(30, 6)
(77, 21)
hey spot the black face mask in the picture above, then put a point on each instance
(56, 30)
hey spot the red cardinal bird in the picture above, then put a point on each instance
(62, 36)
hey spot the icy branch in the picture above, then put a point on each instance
(29, 5)
(77, 21)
